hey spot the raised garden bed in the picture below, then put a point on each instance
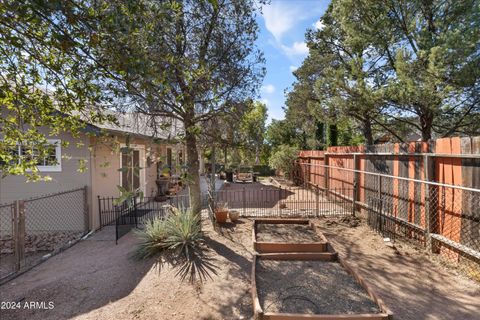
(287, 235)
(288, 286)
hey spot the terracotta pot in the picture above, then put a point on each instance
(234, 215)
(221, 215)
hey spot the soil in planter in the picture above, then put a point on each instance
(296, 233)
(310, 287)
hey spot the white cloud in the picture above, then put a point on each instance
(293, 68)
(282, 16)
(319, 25)
(297, 49)
(279, 18)
(269, 88)
(265, 102)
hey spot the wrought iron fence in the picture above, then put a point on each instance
(270, 201)
(282, 201)
(110, 210)
(34, 229)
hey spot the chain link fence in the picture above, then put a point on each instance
(34, 229)
(444, 219)
(7, 253)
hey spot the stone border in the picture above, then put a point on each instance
(277, 247)
(385, 314)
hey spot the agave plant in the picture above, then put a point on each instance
(178, 240)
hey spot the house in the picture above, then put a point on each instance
(107, 160)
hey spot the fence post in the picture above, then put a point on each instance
(326, 175)
(280, 201)
(100, 212)
(19, 232)
(135, 213)
(428, 213)
(14, 212)
(317, 201)
(86, 209)
(355, 185)
(244, 201)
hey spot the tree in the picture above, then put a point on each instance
(253, 127)
(347, 82)
(190, 60)
(49, 79)
(431, 58)
(280, 132)
(283, 158)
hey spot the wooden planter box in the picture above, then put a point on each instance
(277, 247)
(259, 313)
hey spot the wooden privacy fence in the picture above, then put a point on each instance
(425, 192)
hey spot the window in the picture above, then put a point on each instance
(52, 162)
(180, 158)
(130, 173)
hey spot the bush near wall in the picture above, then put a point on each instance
(263, 170)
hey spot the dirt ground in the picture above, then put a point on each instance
(296, 233)
(95, 279)
(293, 287)
(412, 285)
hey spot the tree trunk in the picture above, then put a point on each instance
(201, 161)
(225, 157)
(257, 155)
(192, 166)
(426, 122)
(367, 131)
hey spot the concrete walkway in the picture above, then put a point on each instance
(203, 186)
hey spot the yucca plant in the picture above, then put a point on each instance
(151, 239)
(178, 240)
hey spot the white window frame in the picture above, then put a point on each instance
(141, 149)
(58, 156)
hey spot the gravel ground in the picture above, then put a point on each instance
(296, 233)
(310, 287)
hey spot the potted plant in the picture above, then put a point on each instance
(221, 213)
(234, 215)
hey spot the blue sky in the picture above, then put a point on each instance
(283, 24)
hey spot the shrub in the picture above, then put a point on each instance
(283, 158)
(178, 240)
(263, 170)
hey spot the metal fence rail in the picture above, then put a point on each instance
(147, 207)
(270, 201)
(287, 201)
(442, 218)
(34, 229)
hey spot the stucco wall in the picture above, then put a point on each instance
(16, 188)
(105, 161)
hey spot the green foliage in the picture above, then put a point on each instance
(391, 66)
(191, 60)
(332, 135)
(263, 170)
(49, 78)
(283, 159)
(179, 241)
(252, 129)
(281, 132)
